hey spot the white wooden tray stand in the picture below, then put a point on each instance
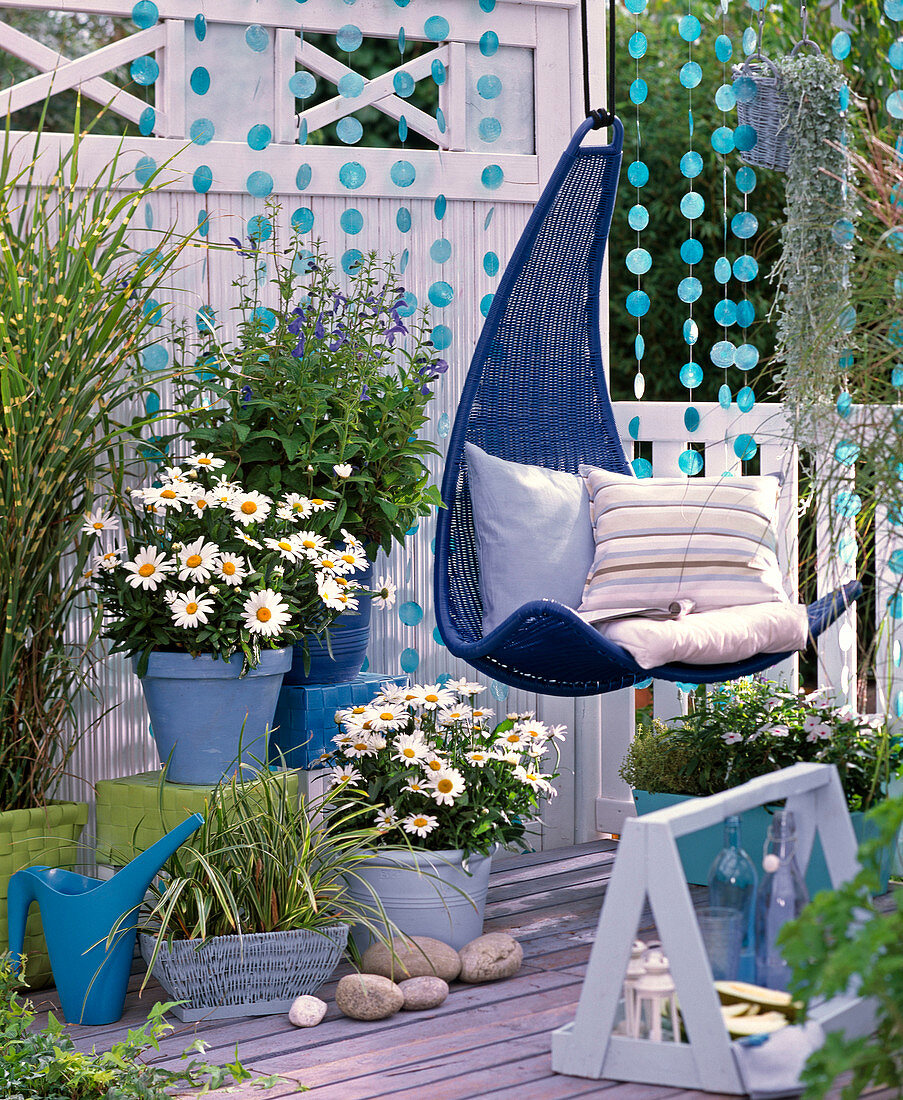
(648, 863)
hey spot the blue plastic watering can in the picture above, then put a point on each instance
(79, 914)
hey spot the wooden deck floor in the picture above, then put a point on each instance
(485, 1041)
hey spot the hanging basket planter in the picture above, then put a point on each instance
(764, 108)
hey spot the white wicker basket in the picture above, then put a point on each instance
(254, 975)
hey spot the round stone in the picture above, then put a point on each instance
(489, 86)
(490, 958)
(723, 48)
(690, 375)
(725, 98)
(841, 44)
(489, 43)
(689, 28)
(726, 312)
(637, 44)
(368, 997)
(692, 205)
(745, 138)
(691, 74)
(352, 175)
(200, 80)
(691, 165)
(638, 261)
(302, 85)
(689, 290)
(723, 140)
(745, 179)
(348, 38)
(412, 957)
(691, 251)
(422, 993)
(745, 225)
(307, 1011)
(722, 353)
(402, 173)
(746, 313)
(722, 270)
(637, 173)
(144, 70)
(490, 129)
(639, 91)
(638, 218)
(256, 38)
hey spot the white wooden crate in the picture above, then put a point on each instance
(648, 863)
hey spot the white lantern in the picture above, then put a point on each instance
(635, 970)
(653, 995)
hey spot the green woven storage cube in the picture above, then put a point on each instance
(46, 837)
(135, 811)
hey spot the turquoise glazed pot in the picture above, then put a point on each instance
(698, 850)
(204, 718)
(349, 637)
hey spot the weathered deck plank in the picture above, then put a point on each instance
(485, 1041)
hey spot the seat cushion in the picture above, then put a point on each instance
(533, 532)
(666, 540)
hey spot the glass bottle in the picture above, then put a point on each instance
(781, 896)
(732, 885)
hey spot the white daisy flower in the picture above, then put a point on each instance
(294, 506)
(206, 461)
(354, 558)
(250, 507)
(346, 773)
(416, 786)
(197, 560)
(509, 757)
(332, 565)
(285, 547)
(342, 739)
(364, 744)
(266, 613)
(191, 609)
(246, 538)
(174, 473)
(148, 568)
(510, 740)
(537, 751)
(448, 716)
(96, 522)
(409, 749)
(343, 469)
(534, 779)
(433, 762)
(393, 695)
(201, 501)
(387, 818)
(320, 505)
(351, 713)
(384, 593)
(479, 757)
(534, 731)
(109, 560)
(479, 715)
(419, 824)
(351, 539)
(558, 733)
(386, 717)
(169, 595)
(168, 497)
(331, 594)
(464, 686)
(231, 568)
(310, 543)
(446, 785)
(223, 494)
(433, 697)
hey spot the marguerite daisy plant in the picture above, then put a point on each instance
(436, 775)
(208, 567)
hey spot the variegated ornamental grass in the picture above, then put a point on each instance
(72, 324)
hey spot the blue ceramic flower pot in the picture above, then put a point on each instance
(349, 637)
(205, 720)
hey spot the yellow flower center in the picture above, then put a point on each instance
(190, 608)
(249, 507)
(264, 614)
(203, 461)
(360, 746)
(349, 558)
(169, 494)
(435, 765)
(420, 822)
(445, 786)
(431, 698)
(409, 753)
(386, 716)
(283, 545)
(513, 738)
(200, 504)
(147, 570)
(477, 756)
(98, 526)
(327, 563)
(308, 544)
(297, 507)
(317, 501)
(193, 561)
(531, 776)
(358, 710)
(229, 568)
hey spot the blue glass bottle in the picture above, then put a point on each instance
(732, 885)
(780, 898)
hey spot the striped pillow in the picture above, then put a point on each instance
(662, 540)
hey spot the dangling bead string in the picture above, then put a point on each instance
(723, 143)
(638, 260)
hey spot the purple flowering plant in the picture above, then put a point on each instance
(737, 731)
(323, 392)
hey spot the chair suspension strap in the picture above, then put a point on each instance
(601, 118)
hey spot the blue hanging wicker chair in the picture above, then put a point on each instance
(536, 393)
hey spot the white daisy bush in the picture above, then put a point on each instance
(439, 773)
(199, 564)
(738, 731)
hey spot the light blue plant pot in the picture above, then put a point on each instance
(423, 894)
(698, 850)
(205, 718)
(349, 637)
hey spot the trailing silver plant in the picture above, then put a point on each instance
(812, 302)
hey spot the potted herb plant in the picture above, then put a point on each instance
(209, 588)
(445, 787)
(749, 728)
(254, 911)
(323, 395)
(78, 311)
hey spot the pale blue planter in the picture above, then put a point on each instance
(349, 637)
(204, 718)
(698, 850)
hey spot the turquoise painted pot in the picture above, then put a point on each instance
(205, 718)
(698, 850)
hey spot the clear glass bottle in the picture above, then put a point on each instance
(781, 896)
(732, 885)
